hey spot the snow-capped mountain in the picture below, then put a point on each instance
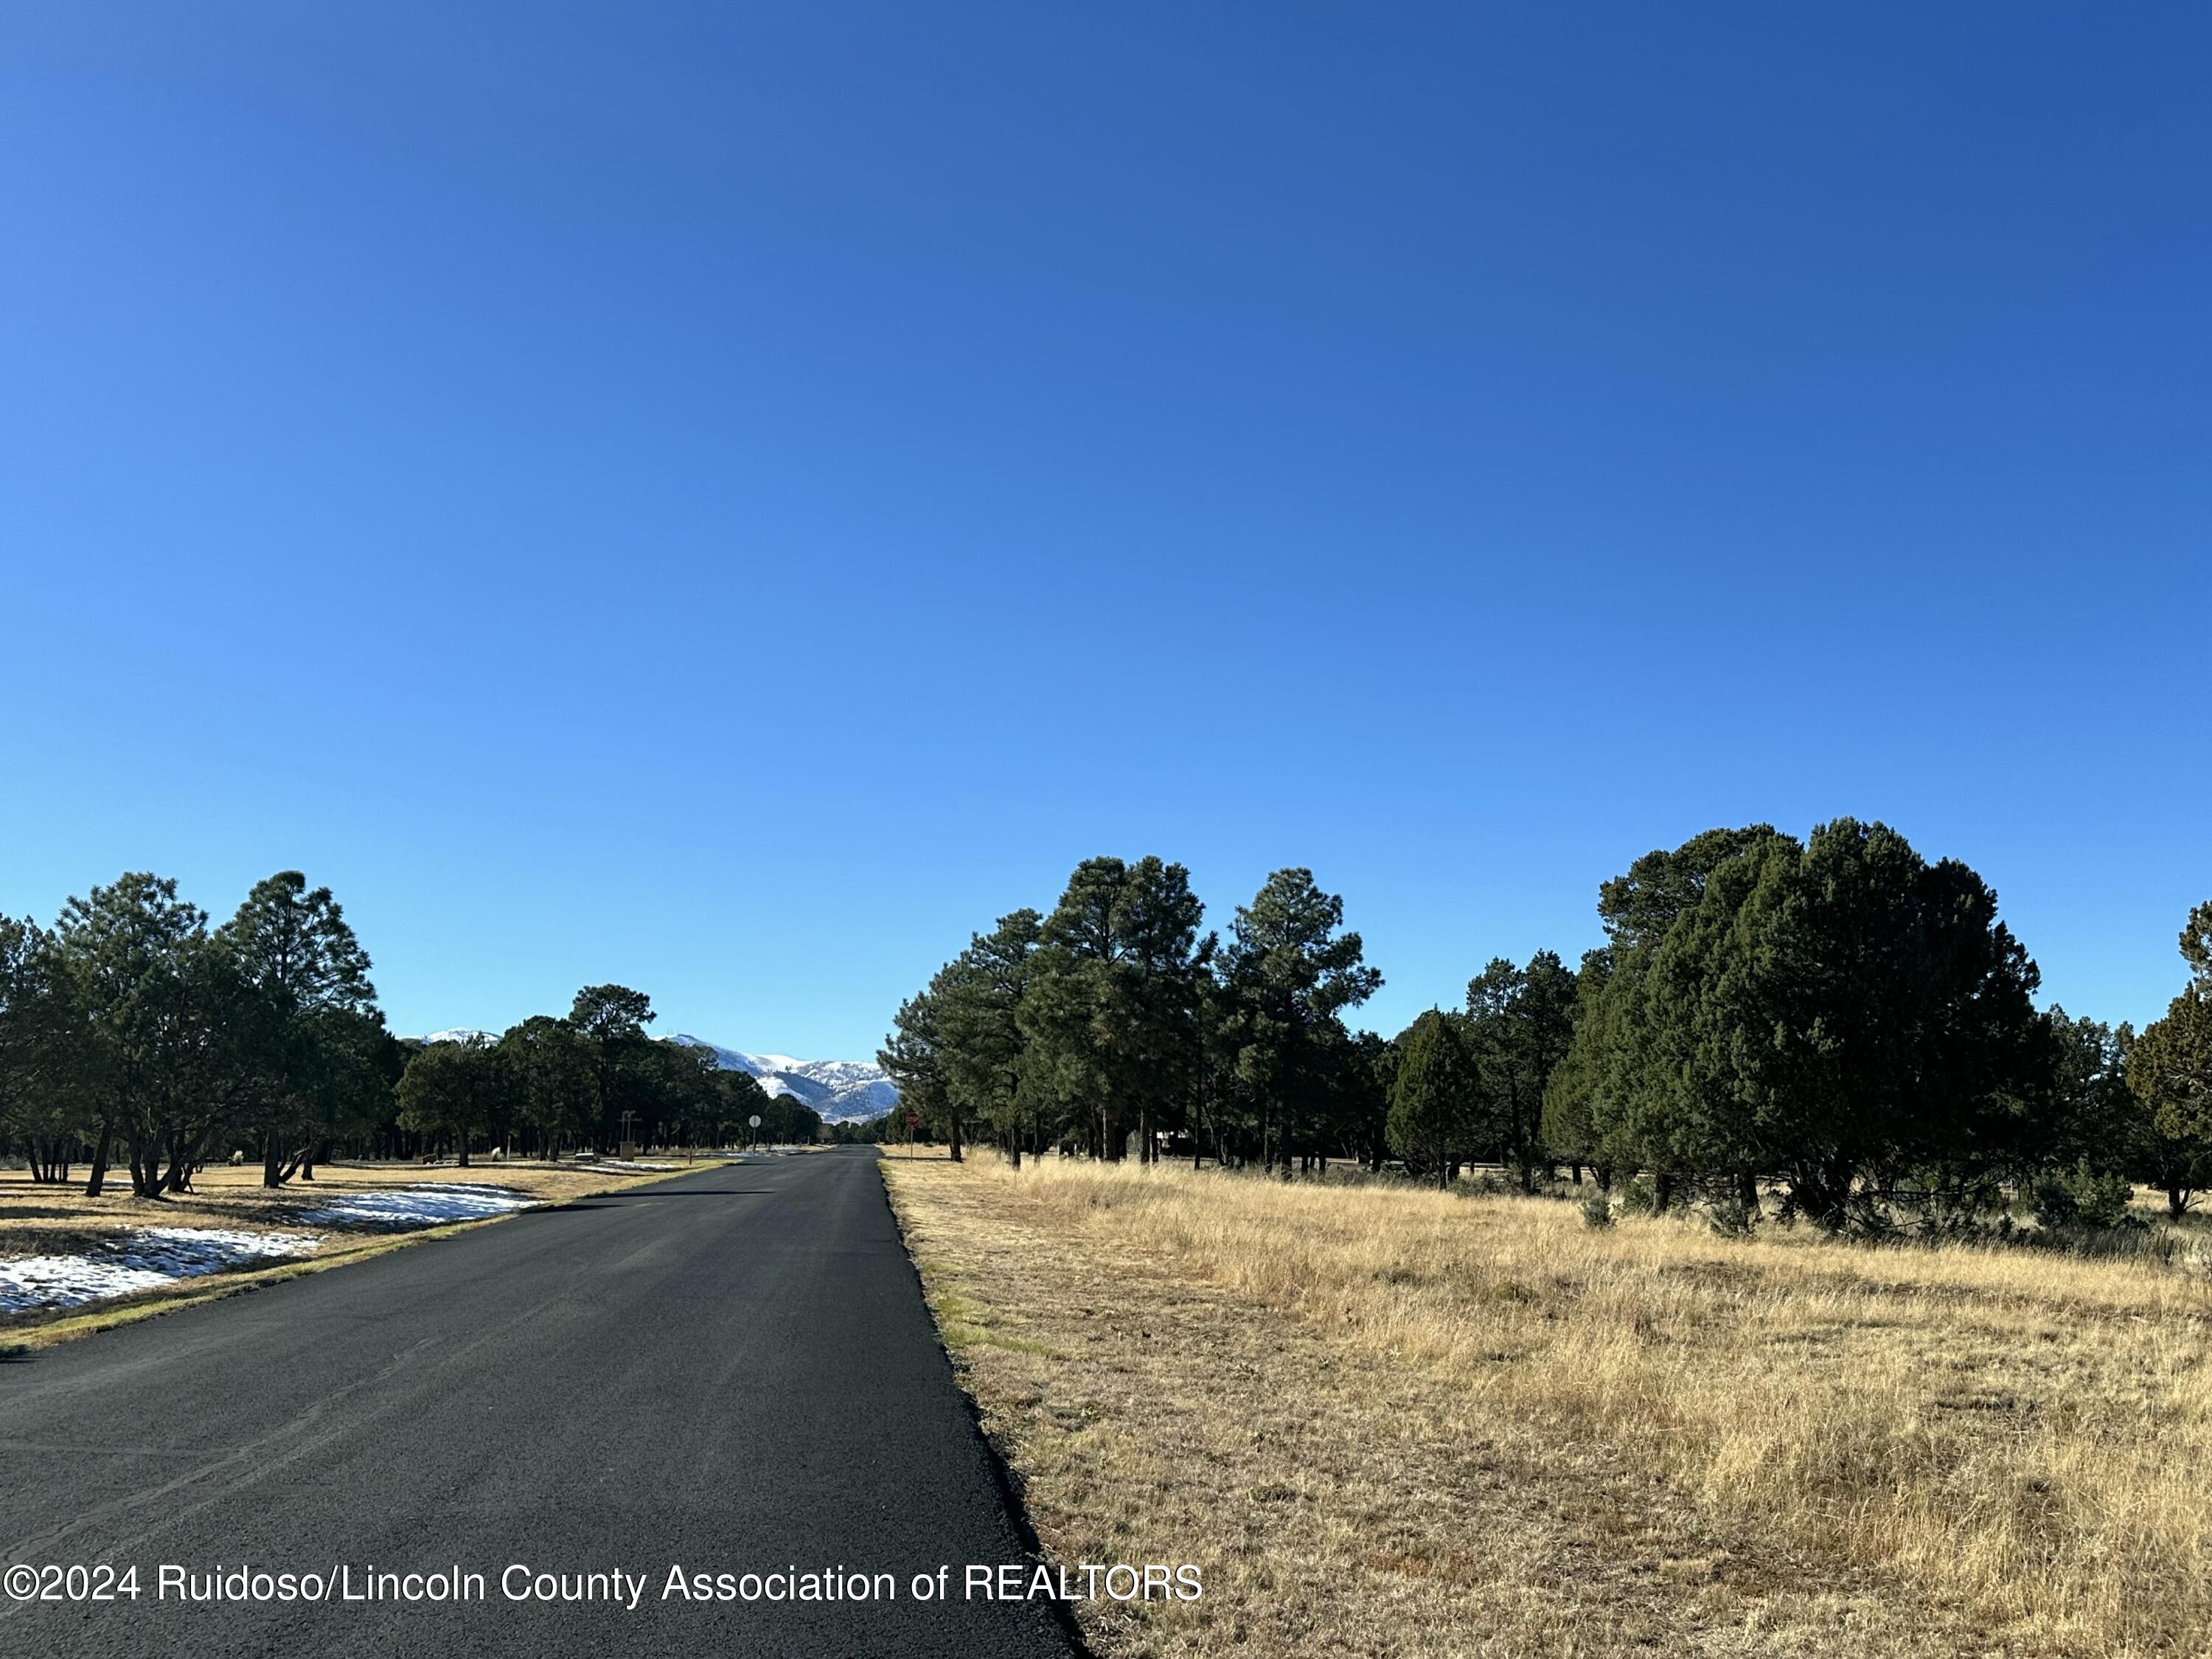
(454, 1034)
(842, 1091)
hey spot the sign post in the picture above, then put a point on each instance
(913, 1123)
(755, 1121)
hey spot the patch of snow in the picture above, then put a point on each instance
(422, 1206)
(624, 1163)
(144, 1259)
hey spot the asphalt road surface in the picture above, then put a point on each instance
(729, 1372)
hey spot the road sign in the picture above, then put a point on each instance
(754, 1120)
(914, 1120)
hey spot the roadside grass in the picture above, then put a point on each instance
(39, 1220)
(1394, 1421)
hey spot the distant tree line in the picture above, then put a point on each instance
(134, 1034)
(593, 1078)
(1833, 1028)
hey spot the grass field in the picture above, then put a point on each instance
(1395, 1421)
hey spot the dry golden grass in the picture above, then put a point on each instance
(1392, 1421)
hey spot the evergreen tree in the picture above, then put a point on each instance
(978, 996)
(2169, 1069)
(1288, 975)
(675, 1092)
(455, 1092)
(1570, 1128)
(742, 1099)
(159, 1027)
(553, 1069)
(313, 1061)
(43, 1103)
(913, 1057)
(1109, 1010)
(612, 1019)
(1842, 1013)
(2197, 945)
(1520, 1023)
(1366, 1083)
(1430, 1098)
(2089, 1116)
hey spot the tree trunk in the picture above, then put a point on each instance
(179, 1176)
(96, 1182)
(145, 1170)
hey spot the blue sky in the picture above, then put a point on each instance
(731, 499)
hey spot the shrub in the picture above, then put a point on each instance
(1597, 1211)
(2081, 1197)
(1730, 1215)
(1640, 1197)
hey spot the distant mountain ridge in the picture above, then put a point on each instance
(841, 1090)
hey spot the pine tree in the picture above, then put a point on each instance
(316, 1027)
(1430, 1098)
(2170, 1067)
(1288, 976)
(555, 1074)
(1109, 1016)
(978, 998)
(455, 1091)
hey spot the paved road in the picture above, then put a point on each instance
(731, 1371)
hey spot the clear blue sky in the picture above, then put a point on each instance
(729, 499)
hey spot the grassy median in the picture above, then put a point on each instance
(1395, 1421)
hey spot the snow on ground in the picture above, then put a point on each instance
(624, 1163)
(421, 1207)
(144, 1259)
